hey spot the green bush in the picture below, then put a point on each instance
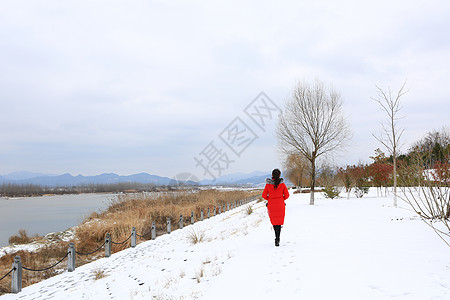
(361, 190)
(331, 192)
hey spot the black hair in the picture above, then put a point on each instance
(276, 177)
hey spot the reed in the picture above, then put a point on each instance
(129, 210)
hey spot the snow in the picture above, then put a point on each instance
(336, 249)
(30, 247)
(47, 241)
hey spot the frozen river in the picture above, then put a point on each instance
(46, 214)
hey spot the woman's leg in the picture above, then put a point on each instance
(277, 234)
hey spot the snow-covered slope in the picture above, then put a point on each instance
(337, 249)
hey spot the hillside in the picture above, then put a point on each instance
(336, 249)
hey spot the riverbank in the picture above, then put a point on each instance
(127, 211)
(40, 242)
(43, 214)
(15, 190)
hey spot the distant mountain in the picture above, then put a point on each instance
(255, 181)
(256, 178)
(21, 175)
(105, 178)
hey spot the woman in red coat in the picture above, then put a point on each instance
(275, 193)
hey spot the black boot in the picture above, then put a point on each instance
(277, 229)
(279, 232)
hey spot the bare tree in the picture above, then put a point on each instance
(312, 125)
(296, 169)
(427, 191)
(390, 133)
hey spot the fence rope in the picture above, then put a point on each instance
(48, 268)
(142, 236)
(89, 253)
(7, 274)
(121, 242)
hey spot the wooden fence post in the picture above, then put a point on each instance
(108, 245)
(220, 209)
(228, 206)
(169, 225)
(201, 215)
(133, 237)
(214, 211)
(71, 258)
(153, 230)
(209, 213)
(16, 276)
(192, 218)
(223, 209)
(180, 223)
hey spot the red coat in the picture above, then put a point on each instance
(275, 198)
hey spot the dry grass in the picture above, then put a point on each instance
(248, 209)
(138, 210)
(22, 238)
(199, 274)
(170, 281)
(216, 270)
(196, 237)
(98, 273)
(39, 259)
(141, 211)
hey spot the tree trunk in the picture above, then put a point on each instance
(313, 180)
(395, 178)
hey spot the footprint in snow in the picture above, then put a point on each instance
(137, 280)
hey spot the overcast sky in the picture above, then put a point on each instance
(88, 87)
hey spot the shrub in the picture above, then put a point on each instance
(21, 238)
(428, 193)
(331, 192)
(361, 190)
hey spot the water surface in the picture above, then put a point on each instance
(41, 215)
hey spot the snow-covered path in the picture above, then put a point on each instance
(337, 249)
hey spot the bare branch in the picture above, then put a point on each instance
(312, 124)
(390, 134)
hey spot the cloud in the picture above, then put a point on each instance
(101, 86)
